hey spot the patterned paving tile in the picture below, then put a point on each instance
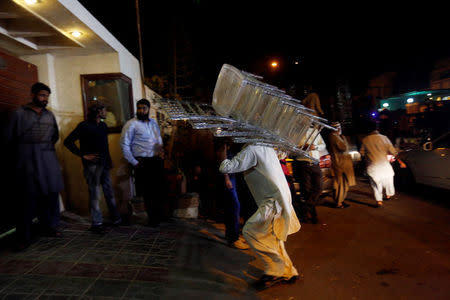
(144, 290)
(117, 238)
(6, 280)
(52, 268)
(98, 257)
(130, 259)
(128, 230)
(21, 296)
(159, 261)
(67, 254)
(80, 244)
(56, 297)
(17, 266)
(120, 272)
(85, 270)
(153, 274)
(29, 284)
(69, 286)
(107, 246)
(143, 239)
(137, 248)
(108, 288)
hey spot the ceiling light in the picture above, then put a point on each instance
(385, 104)
(76, 34)
(410, 100)
(31, 2)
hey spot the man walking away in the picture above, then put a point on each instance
(32, 133)
(142, 147)
(94, 153)
(341, 166)
(375, 148)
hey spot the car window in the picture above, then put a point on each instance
(443, 142)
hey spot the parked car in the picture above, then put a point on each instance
(428, 165)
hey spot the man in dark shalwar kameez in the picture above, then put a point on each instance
(32, 134)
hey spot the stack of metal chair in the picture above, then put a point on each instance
(251, 111)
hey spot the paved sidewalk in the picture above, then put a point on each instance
(186, 259)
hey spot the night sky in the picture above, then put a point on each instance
(330, 42)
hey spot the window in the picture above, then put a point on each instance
(114, 90)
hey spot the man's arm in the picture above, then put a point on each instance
(158, 138)
(69, 142)
(243, 161)
(126, 140)
(337, 142)
(317, 104)
(55, 136)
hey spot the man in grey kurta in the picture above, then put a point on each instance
(32, 134)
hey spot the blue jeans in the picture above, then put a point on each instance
(96, 176)
(232, 212)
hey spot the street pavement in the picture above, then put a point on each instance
(400, 251)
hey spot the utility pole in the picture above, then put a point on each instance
(141, 57)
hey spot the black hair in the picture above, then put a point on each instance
(144, 102)
(94, 109)
(371, 126)
(39, 86)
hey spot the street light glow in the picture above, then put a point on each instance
(274, 64)
(410, 100)
(385, 104)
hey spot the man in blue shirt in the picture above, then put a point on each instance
(142, 147)
(94, 153)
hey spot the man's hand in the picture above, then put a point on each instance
(313, 147)
(401, 163)
(91, 157)
(228, 183)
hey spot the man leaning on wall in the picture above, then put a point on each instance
(32, 133)
(94, 152)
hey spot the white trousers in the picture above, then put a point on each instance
(379, 184)
(259, 234)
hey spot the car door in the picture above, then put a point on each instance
(433, 167)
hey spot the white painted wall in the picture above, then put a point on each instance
(62, 74)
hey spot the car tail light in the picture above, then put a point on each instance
(325, 161)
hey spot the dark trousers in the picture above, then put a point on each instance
(44, 207)
(309, 176)
(151, 185)
(232, 212)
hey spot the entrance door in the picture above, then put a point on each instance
(16, 78)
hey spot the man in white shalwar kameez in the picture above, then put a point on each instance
(376, 147)
(267, 230)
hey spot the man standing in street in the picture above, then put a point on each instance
(308, 174)
(341, 166)
(375, 149)
(268, 228)
(32, 134)
(94, 153)
(142, 147)
(312, 101)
